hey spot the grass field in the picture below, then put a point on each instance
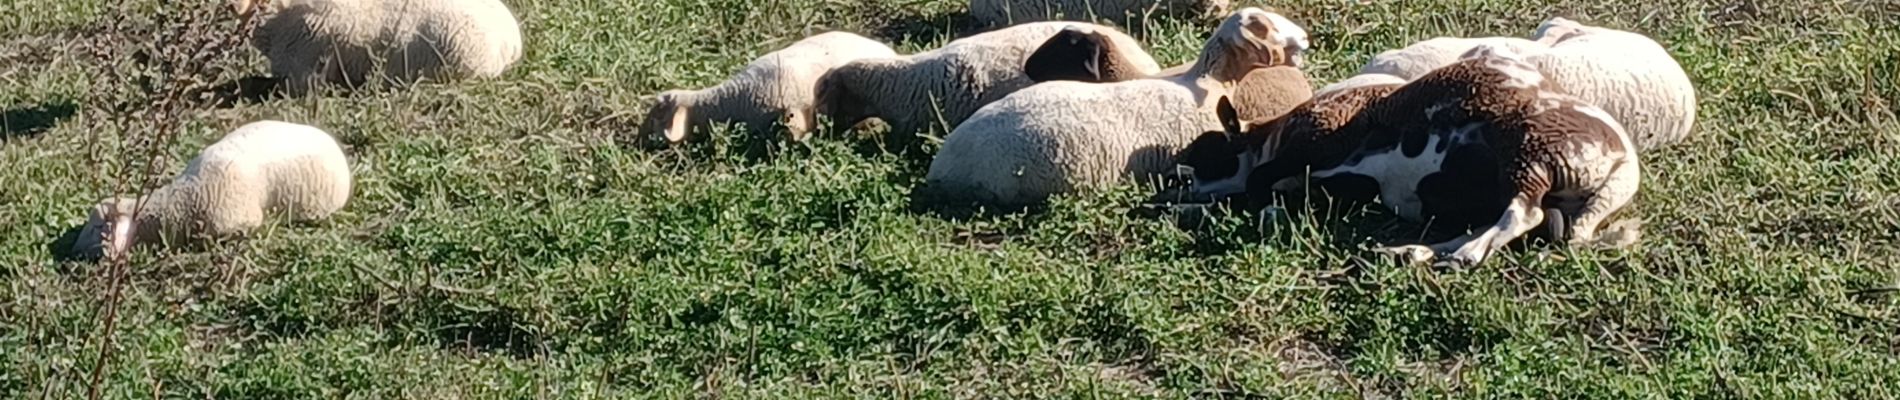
(506, 241)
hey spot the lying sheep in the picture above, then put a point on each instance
(1058, 137)
(1265, 156)
(1095, 58)
(1421, 58)
(777, 88)
(1489, 140)
(1128, 12)
(262, 167)
(913, 93)
(311, 42)
(1627, 74)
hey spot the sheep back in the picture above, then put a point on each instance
(779, 87)
(1060, 137)
(343, 41)
(1630, 76)
(945, 86)
(1417, 59)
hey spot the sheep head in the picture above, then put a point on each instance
(668, 119)
(841, 96)
(1250, 39)
(1223, 160)
(799, 123)
(1074, 54)
(1215, 154)
(108, 229)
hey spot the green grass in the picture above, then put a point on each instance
(504, 242)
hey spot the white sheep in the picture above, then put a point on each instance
(1417, 59)
(1005, 12)
(1628, 74)
(311, 42)
(944, 86)
(777, 88)
(1059, 137)
(265, 167)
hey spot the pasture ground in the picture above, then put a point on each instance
(507, 240)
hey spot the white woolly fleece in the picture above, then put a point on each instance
(913, 93)
(779, 87)
(311, 42)
(262, 167)
(1627, 74)
(1423, 57)
(1059, 137)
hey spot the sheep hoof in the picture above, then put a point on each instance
(1555, 225)
(1453, 262)
(1413, 254)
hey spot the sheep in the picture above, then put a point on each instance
(1265, 156)
(912, 93)
(1627, 74)
(1490, 140)
(1420, 58)
(1075, 55)
(1059, 137)
(259, 168)
(1127, 12)
(775, 88)
(311, 42)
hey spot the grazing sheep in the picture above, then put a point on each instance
(310, 42)
(1058, 137)
(1489, 140)
(1128, 12)
(1627, 74)
(1272, 155)
(913, 93)
(262, 167)
(1075, 55)
(777, 88)
(1420, 58)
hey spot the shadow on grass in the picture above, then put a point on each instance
(32, 120)
(61, 248)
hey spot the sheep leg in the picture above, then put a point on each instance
(1523, 215)
(1616, 192)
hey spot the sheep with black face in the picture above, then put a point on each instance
(1085, 56)
(1060, 137)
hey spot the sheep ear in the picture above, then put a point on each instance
(676, 127)
(241, 7)
(1058, 58)
(1229, 118)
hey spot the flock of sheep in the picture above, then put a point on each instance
(1502, 135)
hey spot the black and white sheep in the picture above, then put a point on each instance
(1128, 12)
(265, 167)
(777, 88)
(1258, 157)
(1490, 142)
(1625, 73)
(1486, 142)
(943, 87)
(312, 42)
(1059, 137)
